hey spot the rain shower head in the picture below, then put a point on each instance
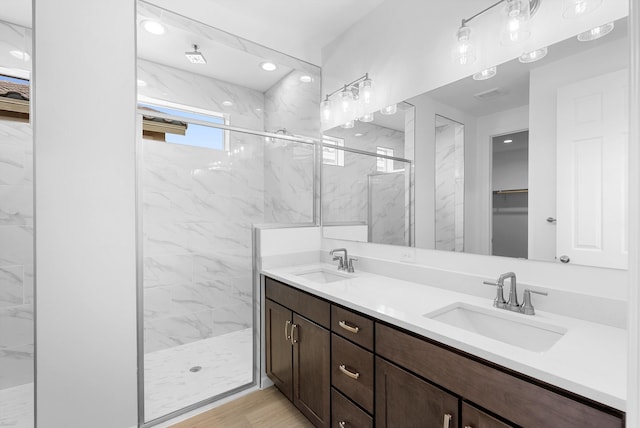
(195, 57)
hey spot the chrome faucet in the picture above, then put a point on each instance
(512, 304)
(342, 261)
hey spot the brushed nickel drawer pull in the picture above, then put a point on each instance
(468, 426)
(345, 370)
(293, 339)
(349, 328)
(447, 420)
(342, 424)
(286, 328)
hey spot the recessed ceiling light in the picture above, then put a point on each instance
(359, 134)
(533, 56)
(306, 79)
(268, 66)
(508, 141)
(20, 55)
(153, 27)
(227, 103)
(142, 83)
(485, 74)
(195, 57)
(596, 33)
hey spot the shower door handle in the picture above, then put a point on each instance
(287, 336)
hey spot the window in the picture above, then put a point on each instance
(14, 98)
(183, 132)
(384, 164)
(332, 156)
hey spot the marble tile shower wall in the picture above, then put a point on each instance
(16, 254)
(449, 198)
(292, 105)
(198, 207)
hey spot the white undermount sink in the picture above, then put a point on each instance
(322, 275)
(507, 327)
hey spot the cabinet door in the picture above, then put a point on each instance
(476, 418)
(404, 400)
(311, 378)
(278, 347)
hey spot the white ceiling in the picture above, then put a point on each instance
(299, 28)
(16, 12)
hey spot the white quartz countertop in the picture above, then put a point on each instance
(589, 360)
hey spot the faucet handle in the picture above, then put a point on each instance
(350, 266)
(341, 264)
(499, 301)
(527, 307)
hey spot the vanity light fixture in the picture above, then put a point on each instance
(516, 15)
(389, 110)
(268, 66)
(576, 8)
(485, 74)
(596, 33)
(153, 27)
(195, 57)
(353, 97)
(533, 56)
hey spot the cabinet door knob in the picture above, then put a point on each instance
(293, 338)
(345, 370)
(447, 420)
(349, 327)
(286, 330)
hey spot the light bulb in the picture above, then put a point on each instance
(346, 100)
(366, 91)
(576, 8)
(464, 51)
(389, 110)
(516, 15)
(348, 125)
(326, 109)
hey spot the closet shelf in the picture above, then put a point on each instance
(508, 191)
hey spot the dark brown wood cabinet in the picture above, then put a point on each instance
(298, 350)
(405, 400)
(473, 417)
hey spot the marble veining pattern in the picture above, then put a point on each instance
(449, 187)
(226, 362)
(388, 206)
(16, 270)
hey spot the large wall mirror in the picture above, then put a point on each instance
(543, 165)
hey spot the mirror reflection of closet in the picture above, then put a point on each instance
(510, 197)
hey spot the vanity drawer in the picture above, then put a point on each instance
(312, 308)
(352, 326)
(345, 414)
(352, 371)
(501, 391)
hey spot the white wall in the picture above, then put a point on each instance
(544, 83)
(405, 45)
(84, 131)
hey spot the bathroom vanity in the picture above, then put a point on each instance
(349, 361)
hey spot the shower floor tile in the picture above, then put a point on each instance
(225, 362)
(16, 406)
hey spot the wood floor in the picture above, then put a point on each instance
(261, 409)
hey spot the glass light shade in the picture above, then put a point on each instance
(347, 104)
(576, 8)
(326, 108)
(368, 117)
(464, 52)
(365, 91)
(348, 125)
(485, 74)
(596, 33)
(533, 56)
(389, 110)
(515, 26)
